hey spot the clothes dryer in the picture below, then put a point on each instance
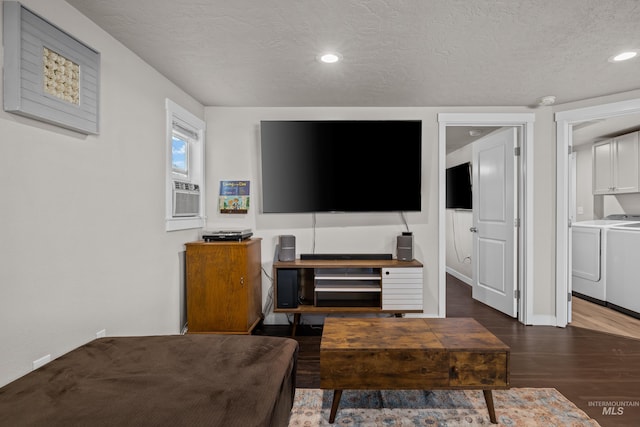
(589, 251)
(623, 267)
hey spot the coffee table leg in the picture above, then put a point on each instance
(488, 397)
(337, 394)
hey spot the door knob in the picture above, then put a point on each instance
(473, 230)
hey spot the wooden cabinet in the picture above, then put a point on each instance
(224, 287)
(616, 165)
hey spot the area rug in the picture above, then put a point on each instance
(515, 407)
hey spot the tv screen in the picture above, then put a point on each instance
(341, 166)
(459, 186)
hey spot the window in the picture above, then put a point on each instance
(179, 155)
(185, 169)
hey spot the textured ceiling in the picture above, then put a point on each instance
(396, 53)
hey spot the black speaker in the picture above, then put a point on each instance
(405, 247)
(287, 288)
(287, 248)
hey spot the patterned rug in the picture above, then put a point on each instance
(514, 407)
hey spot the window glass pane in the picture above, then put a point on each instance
(179, 155)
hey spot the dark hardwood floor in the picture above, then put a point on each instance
(598, 372)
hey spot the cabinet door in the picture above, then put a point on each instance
(234, 305)
(402, 288)
(625, 165)
(216, 291)
(602, 168)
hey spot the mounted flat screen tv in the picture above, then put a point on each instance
(459, 187)
(341, 166)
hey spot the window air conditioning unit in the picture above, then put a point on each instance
(186, 199)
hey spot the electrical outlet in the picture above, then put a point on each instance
(41, 362)
(101, 334)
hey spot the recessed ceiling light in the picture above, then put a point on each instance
(624, 56)
(330, 57)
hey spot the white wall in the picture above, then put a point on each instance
(584, 184)
(459, 248)
(544, 218)
(82, 245)
(621, 204)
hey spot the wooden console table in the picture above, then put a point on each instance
(347, 286)
(420, 354)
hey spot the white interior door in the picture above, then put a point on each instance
(494, 220)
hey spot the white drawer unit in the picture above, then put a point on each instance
(402, 288)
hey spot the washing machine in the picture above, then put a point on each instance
(623, 268)
(589, 254)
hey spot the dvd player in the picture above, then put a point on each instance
(226, 235)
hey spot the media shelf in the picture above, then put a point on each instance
(324, 286)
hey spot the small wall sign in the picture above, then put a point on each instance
(234, 197)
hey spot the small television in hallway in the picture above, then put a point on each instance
(459, 187)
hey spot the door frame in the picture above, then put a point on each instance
(564, 128)
(525, 200)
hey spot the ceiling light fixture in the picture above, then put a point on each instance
(475, 132)
(546, 100)
(624, 56)
(330, 57)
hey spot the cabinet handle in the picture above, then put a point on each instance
(242, 281)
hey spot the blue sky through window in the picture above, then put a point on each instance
(179, 155)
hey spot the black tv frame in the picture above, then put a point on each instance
(313, 166)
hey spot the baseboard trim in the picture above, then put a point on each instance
(459, 276)
(543, 320)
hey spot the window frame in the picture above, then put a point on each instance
(180, 118)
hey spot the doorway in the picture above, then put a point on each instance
(524, 123)
(568, 122)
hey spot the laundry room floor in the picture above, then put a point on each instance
(596, 317)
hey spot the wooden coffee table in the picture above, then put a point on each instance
(421, 354)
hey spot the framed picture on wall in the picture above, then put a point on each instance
(48, 74)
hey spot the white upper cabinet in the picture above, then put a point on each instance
(616, 164)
